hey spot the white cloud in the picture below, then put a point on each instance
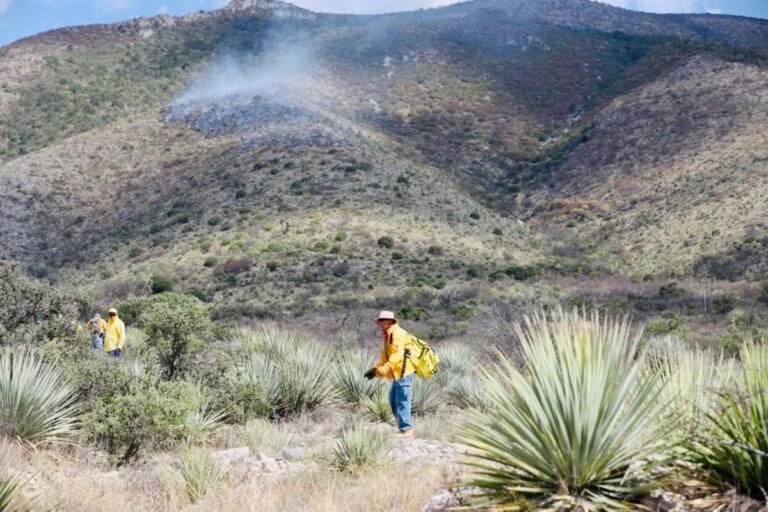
(617, 3)
(715, 11)
(4, 5)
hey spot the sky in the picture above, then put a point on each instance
(20, 18)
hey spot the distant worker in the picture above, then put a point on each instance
(394, 356)
(97, 328)
(114, 336)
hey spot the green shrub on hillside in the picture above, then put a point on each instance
(358, 448)
(176, 326)
(160, 284)
(386, 242)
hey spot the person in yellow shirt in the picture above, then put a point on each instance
(395, 366)
(114, 335)
(97, 327)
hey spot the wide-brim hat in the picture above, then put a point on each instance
(386, 315)
(112, 310)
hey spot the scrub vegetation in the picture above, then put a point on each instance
(567, 202)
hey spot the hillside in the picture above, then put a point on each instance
(281, 159)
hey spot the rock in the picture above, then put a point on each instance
(290, 454)
(443, 500)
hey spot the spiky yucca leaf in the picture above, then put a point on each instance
(36, 404)
(8, 490)
(358, 447)
(582, 427)
(735, 450)
(377, 408)
(199, 473)
(348, 369)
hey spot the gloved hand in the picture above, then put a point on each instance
(370, 373)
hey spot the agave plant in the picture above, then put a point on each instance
(467, 393)
(377, 407)
(36, 404)
(583, 426)
(734, 450)
(261, 434)
(358, 447)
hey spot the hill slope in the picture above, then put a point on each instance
(262, 151)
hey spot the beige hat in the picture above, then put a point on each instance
(387, 315)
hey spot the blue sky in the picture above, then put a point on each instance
(20, 18)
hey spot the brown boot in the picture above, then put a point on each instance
(404, 435)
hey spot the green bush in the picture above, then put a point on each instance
(211, 261)
(146, 414)
(386, 242)
(262, 435)
(377, 408)
(521, 272)
(671, 291)
(160, 284)
(723, 302)
(358, 448)
(582, 426)
(176, 326)
(435, 250)
(36, 404)
(762, 295)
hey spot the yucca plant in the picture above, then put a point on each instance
(426, 397)
(348, 369)
(199, 474)
(36, 404)
(467, 392)
(261, 434)
(377, 407)
(734, 450)
(358, 447)
(582, 426)
(289, 386)
(201, 422)
(456, 361)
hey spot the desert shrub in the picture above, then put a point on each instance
(210, 261)
(412, 312)
(475, 215)
(145, 414)
(386, 242)
(348, 373)
(497, 231)
(160, 284)
(23, 301)
(340, 236)
(723, 302)
(176, 326)
(377, 408)
(201, 421)
(457, 360)
(435, 250)
(358, 447)
(36, 404)
(671, 291)
(762, 295)
(238, 266)
(262, 435)
(582, 426)
(733, 449)
(199, 474)
(521, 272)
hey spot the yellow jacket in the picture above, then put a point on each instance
(115, 334)
(390, 364)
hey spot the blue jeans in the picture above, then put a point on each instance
(400, 398)
(98, 342)
(116, 353)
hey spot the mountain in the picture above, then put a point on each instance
(279, 159)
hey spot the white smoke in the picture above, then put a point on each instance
(284, 65)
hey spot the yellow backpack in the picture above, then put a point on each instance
(423, 358)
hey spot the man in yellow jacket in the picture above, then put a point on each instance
(114, 337)
(395, 366)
